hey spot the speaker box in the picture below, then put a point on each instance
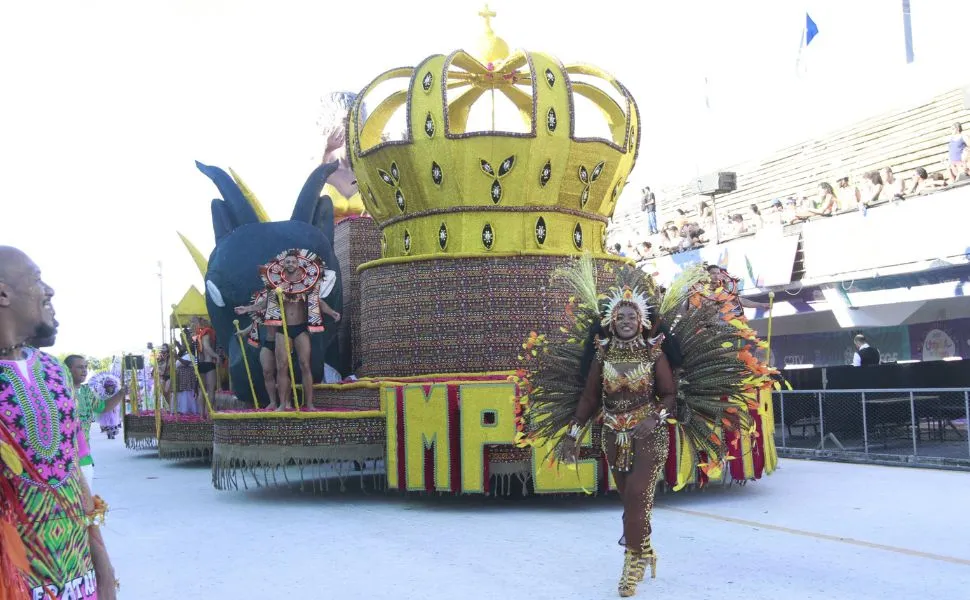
(720, 182)
(133, 361)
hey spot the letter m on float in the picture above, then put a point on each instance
(427, 428)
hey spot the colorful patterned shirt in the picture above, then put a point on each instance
(89, 406)
(37, 408)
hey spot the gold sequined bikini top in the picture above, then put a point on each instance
(634, 387)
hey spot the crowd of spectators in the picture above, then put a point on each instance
(685, 232)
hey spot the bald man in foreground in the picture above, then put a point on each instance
(60, 534)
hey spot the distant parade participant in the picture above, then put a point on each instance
(186, 384)
(45, 496)
(89, 405)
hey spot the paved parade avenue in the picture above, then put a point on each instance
(812, 530)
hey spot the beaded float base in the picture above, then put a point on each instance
(185, 438)
(437, 434)
(140, 431)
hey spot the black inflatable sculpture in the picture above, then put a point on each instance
(243, 243)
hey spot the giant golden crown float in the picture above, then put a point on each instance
(445, 280)
(474, 221)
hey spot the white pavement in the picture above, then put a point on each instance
(811, 530)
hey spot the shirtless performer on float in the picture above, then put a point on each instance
(305, 283)
(264, 338)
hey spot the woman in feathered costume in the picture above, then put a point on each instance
(620, 365)
(108, 383)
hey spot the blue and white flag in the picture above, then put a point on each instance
(809, 32)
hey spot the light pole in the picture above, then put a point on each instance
(161, 299)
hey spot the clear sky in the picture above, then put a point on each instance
(104, 106)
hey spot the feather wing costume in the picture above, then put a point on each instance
(711, 350)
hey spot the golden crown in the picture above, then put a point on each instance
(444, 189)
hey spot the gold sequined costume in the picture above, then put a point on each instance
(659, 373)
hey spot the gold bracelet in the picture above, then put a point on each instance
(95, 518)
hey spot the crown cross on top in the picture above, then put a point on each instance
(488, 15)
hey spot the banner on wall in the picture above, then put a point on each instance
(883, 237)
(761, 261)
(943, 339)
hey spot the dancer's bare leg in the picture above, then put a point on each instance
(282, 373)
(267, 360)
(303, 354)
(210, 388)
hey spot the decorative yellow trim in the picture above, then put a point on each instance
(358, 385)
(251, 198)
(395, 260)
(357, 414)
(200, 261)
(374, 383)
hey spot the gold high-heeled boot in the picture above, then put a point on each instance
(628, 579)
(647, 556)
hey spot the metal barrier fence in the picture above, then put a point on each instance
(911, 426)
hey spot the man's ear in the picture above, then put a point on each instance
(4, 294)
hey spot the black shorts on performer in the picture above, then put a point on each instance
(205, 367)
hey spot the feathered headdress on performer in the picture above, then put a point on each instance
(97, 384)
(626, 296)
(715, 366)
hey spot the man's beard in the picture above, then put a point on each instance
(43, 331)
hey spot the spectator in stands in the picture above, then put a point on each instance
(705, 215)
(633, 251)
(647, 251)
(959, 151)
(774, 216)
(757, 221)
(648, 204)
(669, 239)
(847, 195)
(736, 226)
(892, 188)
(824, 206)
(873, 189)
(923, 183)
(865, 355)
(681, 219)
(791, 208)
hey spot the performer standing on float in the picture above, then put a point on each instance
(341, 186)
(204, 337)
(304, 282)
(163, 368)
(45, 495)
(264, 338)
(89, 406)
(617, 363)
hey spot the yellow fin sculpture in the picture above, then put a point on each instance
(200, 260)
(250, 197)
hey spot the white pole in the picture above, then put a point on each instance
(161, 299)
